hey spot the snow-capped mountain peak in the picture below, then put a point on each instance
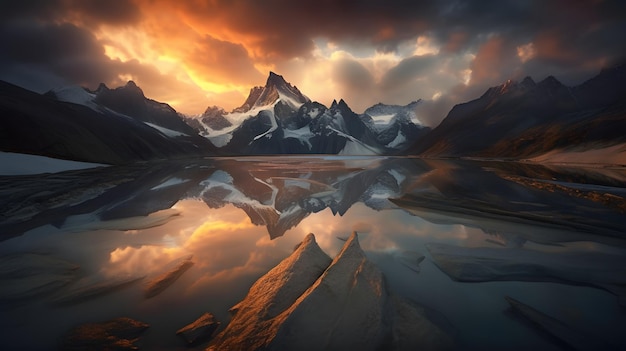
(278, 118)
(382, 115)
(275, 89)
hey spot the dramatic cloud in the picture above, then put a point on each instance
(211, 52)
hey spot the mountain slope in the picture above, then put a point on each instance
(84, 130)
(394, 126)
(527, 119)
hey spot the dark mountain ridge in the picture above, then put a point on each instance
(525, 119)
(43, 125)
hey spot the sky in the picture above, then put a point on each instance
(199, 53)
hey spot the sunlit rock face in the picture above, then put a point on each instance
(308, 302)
(255, 322)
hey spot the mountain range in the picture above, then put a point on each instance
(516, 120)
(278, 119)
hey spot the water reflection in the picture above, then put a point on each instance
(238, 218)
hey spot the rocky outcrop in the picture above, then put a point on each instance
(161, 282)
(308, 302)
(117, 334)
(202, 329)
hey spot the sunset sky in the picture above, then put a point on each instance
(192, 54)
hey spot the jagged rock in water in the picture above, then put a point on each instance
(602, 270)
(574, 339)
(254, 320)
(202, 329)
(29, 275)
(309, 303)
(158, 284)
(117, 334)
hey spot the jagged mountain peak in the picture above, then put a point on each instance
(101, 87)
(275, 79)
(132, 88)
(550, 81)
(528, 82)
(341, 105)
(512, 86)
(276, 87)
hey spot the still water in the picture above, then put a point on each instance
(82, 246)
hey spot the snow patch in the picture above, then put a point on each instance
(399, 140)
(295, 104)
(353, 145)
(77, 95)
(169, 182)
(168, 132)
(303, 134)
(383, 119)
(272, 128)
(23, 164)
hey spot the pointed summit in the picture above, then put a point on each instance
(275, 89)
(132, 88)
(275, 79)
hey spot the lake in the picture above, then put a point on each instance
(82, 246)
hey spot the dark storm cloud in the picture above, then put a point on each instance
(117, 12)
(89, 12)
(41, 57)
(231, 39)
(64, 50)
(286, 28)
(407, 70)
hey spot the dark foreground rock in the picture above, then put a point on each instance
(308, 302)
(116, 334)
(202, 329)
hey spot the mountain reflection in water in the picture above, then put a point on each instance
(553, 238)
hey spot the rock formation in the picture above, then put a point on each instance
(308, 302)
(201, 329)
(158, 284)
